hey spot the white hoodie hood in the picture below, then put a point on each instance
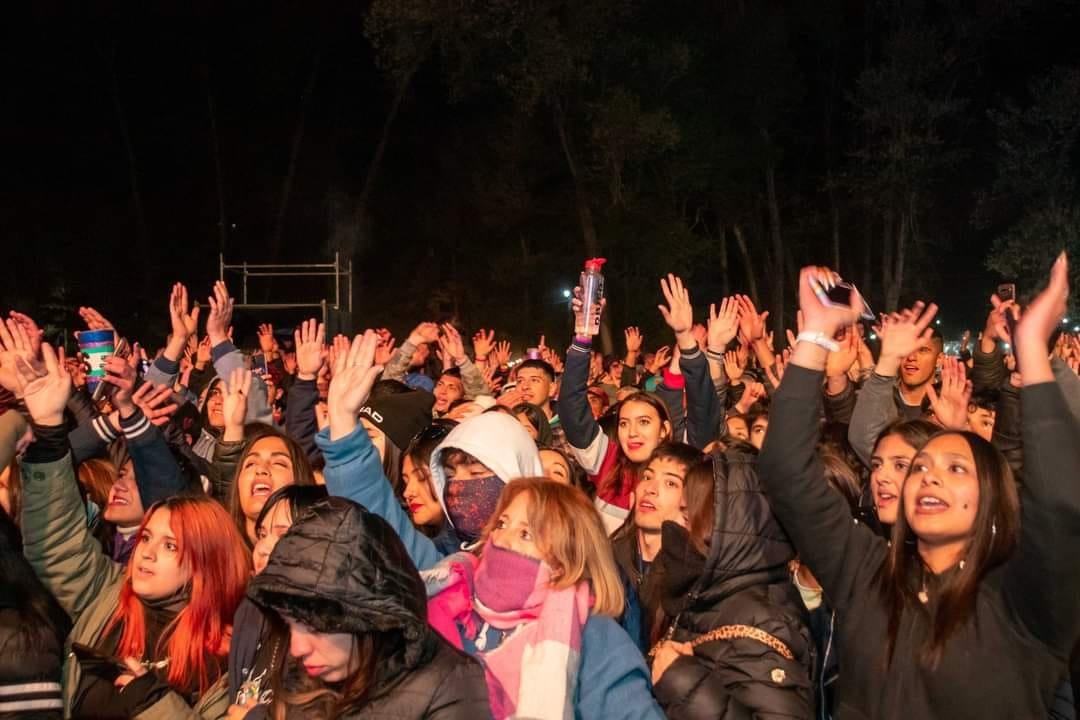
(495, 439)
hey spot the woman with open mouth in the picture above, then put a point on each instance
(958, 580)
(264, 458)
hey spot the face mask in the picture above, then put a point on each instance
(469, 504)
(504, 579)
(811, 598)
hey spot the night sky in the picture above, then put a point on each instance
(73, 79)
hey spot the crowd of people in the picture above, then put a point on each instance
(855, 525)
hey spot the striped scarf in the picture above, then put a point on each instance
(533, 672)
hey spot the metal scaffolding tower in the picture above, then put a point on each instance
(339, 271)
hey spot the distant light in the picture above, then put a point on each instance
(1076, 328)
(873, 336)
(566, 293)
(1064, 321)
(938, 321)
(1007, 346)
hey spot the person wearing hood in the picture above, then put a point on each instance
(359, 641)
(468, 469)
(732, 638)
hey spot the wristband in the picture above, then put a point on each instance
(818, 338)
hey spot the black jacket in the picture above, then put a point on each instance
(743, 581)
(1008, 660)
(341, 569)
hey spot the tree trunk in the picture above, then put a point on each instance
(294, 154)
(887, 240)
(585, 218)
(748, 265)
(129, 151)
(776, 254)
(722, 251)
(215, 149)
(900, 260)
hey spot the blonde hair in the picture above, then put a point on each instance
(570, 537)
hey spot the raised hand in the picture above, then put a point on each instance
(502, 353)
(451, 344)
(310, 341)
(219, 319)
(902, 333)
(386, 347)
(235, 403)
(338, 348)
(425, 332)
(723, 324)
(16, 345)
(33, 333)
(838, 363)
(46, 390)
(488, 372)
(951, 405)
(203, 353)
(634, 339)
(733, 367)
(121, 375)
(267, 343)
(156, 402)
(1040, 320)
(660, 359)
(775, 372)
(997, 324)
(185, 322)
(678, 313)
(751, 324)
(483, 344)
(355, 373)
(95, 320)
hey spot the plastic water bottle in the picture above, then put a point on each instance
(587, 322)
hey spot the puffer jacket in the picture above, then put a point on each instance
(342, 569)
(86, 583)
(742, 582)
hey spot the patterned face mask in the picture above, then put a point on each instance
(469, 504)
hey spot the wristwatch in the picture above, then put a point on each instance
(818, 338)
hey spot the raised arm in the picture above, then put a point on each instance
(56, 541)
(842, 554)
(300, 420)
(1041, 579)
(353, 469)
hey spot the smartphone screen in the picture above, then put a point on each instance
(1006, 291)
(258, 365)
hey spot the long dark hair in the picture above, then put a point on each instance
(419, 452)
(994, 536)
(302, 473)
(624, 471)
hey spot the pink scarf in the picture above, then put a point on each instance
(533, 672)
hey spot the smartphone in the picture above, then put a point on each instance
(532, 353)
(843, 294)
(1006, 291)
(93, 660)
(258, 365)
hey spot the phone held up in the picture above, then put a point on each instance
(1006, 292)
(845, 295)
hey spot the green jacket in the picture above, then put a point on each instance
(86, 583)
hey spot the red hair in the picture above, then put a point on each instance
(196, 641)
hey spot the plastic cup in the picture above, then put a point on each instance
(98, 346)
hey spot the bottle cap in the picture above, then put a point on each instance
(594, 263)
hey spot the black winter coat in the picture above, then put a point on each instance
(341, 569)
(1004, 662)
(743, 581)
